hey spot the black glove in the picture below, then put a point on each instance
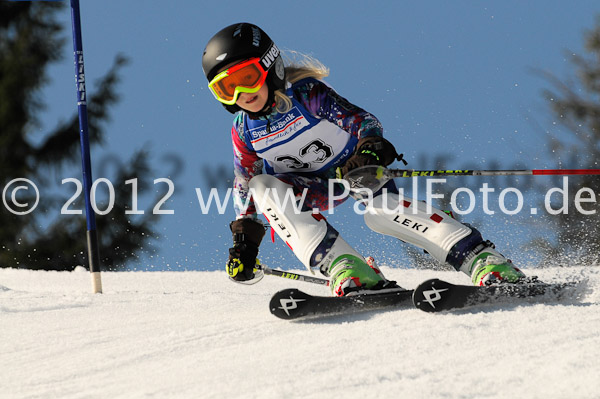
(372, 150)
(247, 235)
(242, 260)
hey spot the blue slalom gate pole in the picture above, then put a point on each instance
(92, 235)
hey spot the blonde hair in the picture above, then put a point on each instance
(298, 66)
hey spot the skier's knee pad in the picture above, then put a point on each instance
(436, 232)
(314, 241)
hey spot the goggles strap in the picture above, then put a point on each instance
(268, 58)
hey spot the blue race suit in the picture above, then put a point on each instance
(301, 147)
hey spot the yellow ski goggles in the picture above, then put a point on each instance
(246, 77)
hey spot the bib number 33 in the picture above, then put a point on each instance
(314, 152)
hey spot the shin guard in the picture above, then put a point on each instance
(314, 241)
(436, 232)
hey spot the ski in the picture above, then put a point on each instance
(290, 304)
(436, 295)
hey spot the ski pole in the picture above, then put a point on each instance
(393, 173)
(92, 234)
(294, 276)
(374, 177)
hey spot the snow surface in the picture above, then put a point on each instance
(198, 335)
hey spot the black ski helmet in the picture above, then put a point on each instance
(239, 42)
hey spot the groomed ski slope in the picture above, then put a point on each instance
(197, 335)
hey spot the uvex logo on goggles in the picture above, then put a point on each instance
(245, 77)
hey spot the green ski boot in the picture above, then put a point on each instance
(352, 275)
(490, 267)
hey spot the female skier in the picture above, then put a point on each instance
(299, 130)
